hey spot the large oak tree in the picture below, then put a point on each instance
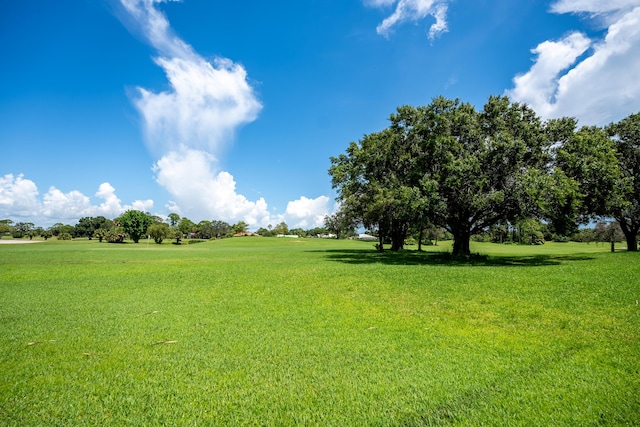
(446, 164)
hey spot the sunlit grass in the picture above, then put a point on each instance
(264, 331)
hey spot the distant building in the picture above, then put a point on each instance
(364, 236)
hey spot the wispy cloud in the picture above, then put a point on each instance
(593, 80)
(412, 11)
(207, 101)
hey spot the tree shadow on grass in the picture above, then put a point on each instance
(366, 256)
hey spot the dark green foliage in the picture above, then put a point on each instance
(626, 206)
(444, 164)
(210, 230)
(186, 227)
(135, 224)
(174, 219)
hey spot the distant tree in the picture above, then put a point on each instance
(205, 230)
(159, 231)
(101, 234)
(221, 229)
(85, 227)
(530, 231)
(608, 233)
(177, 234)
(186, 226)
(281, 228)
(56, 228)
(22, 229)
(340, 224)
(174, 219)
(298, 232)
(95, 223)
(5, 226)
(317, 231)
(264, 232)
(135, 224)
(156, 219)
(240, 227)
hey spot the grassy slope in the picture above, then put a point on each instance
(283, 332)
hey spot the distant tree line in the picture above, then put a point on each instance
(488, 172)
(136, 225)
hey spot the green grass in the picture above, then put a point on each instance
(257, 331)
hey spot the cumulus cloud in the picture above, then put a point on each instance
(412, 11)
(20, 200)
(202, 192)
(187, 125)
(307, 213)
(592, 80)
(18, 196)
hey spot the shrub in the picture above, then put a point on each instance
(159, 232)
(192, 241)
(115, 237)
(64, 236)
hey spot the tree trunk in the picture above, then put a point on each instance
(398, 233)
(380, 245)
(632, 243)
(613, 245)
(420, 240)
(461, 240)
(630, 232)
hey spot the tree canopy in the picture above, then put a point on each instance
(445, 164)
(450, 165)
(135, 224)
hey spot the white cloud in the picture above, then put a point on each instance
(597, 89)
(187, 125)
(539, 85)
(412, 10)
(20, 201)
(18, 196)
(207, 100)
(307, 213)
(594, 7)
(73, 204)
(202, 192)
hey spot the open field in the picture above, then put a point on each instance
(258, 331)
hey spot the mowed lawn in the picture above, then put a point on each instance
(280, 332)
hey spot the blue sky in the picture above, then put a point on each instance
(230, 110)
